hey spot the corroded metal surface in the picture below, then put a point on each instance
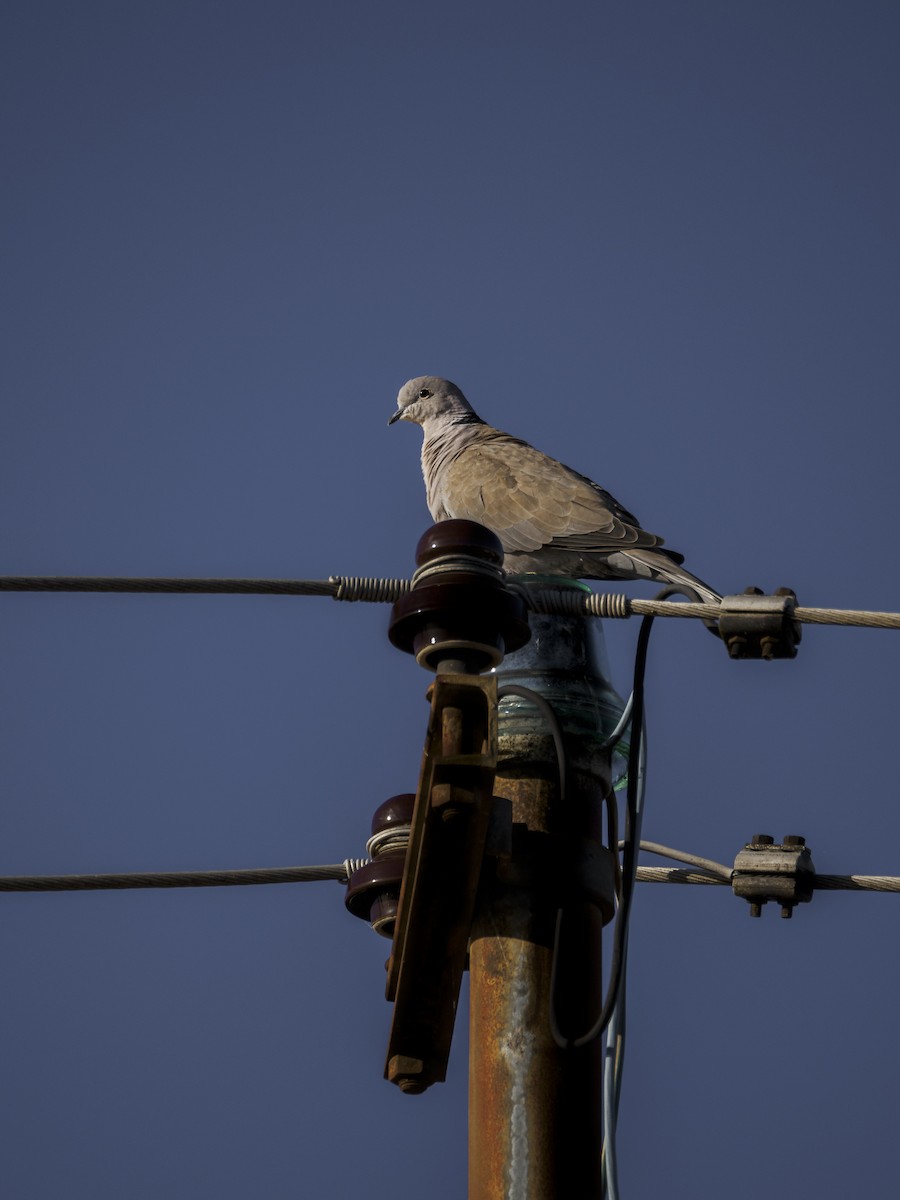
(534, 1107)
(443, 864)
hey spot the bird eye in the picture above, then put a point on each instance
(424, 393)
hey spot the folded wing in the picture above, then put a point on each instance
(531, 500)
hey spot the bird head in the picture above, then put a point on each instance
(426, 398)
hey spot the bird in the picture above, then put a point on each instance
(550, 519)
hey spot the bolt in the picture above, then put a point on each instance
(768, 646)
(406, 1072)
(756, 909)
(736, 646)
(793, 839)
(787, 910)
(762, 839)
(410, 1085)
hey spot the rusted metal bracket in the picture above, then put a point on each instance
(765, 870)
(443, 866)
(753, 625)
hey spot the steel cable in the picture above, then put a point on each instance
(562, 601)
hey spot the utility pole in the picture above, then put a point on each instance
(534, 1105)
(504, 859)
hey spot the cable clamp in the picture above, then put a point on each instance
(754, 625)
(766, 870)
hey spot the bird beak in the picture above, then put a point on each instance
(396, 417)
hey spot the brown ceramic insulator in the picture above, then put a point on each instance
(459, 608)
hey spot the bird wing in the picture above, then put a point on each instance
(531, 500)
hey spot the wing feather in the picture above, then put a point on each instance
(531, 500)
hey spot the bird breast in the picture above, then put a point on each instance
(438, 451)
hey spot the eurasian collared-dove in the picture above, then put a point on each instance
(549, 518)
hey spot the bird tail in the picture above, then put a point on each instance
(656, 564)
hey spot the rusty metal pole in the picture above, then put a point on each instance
(534, 1106)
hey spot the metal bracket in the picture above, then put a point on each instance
(753, 625)
(765, 870)
(443, 867)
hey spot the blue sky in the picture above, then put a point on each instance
(657, 240)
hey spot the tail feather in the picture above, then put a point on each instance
(652, 564)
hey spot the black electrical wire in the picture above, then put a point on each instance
(632, 832)
(115, 583)
(174, 879)
(628, 857)
(614, 1008)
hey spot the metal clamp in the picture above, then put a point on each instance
(754, 625)
(443, 866)
(765, 870)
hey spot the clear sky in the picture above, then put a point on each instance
(660, 241)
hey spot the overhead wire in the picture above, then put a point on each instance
(170, 586)
(819, 883)
(678, 875)
(614, 1046)
(563, 602)
(341, 872)
(179, 879)
(612, 1017)
(695, 860)
(634, 810)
